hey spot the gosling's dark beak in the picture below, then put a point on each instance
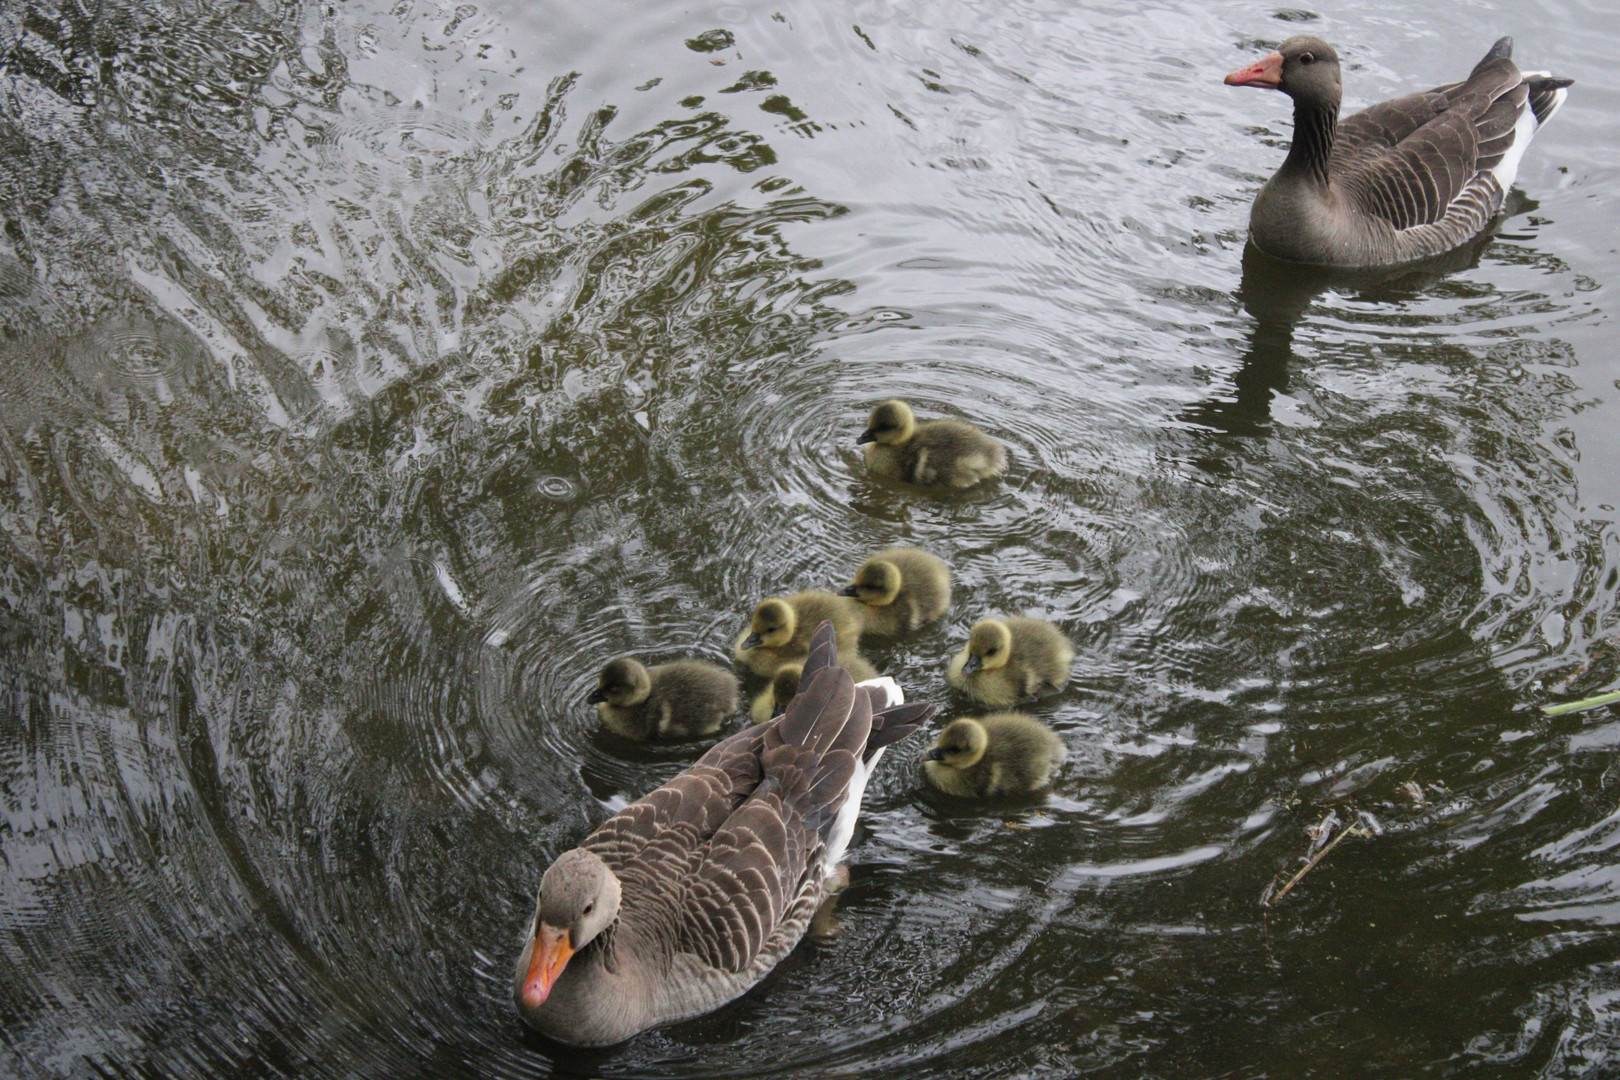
(597, 696)
(974, 663)
(849, 590)
(781, 707)
(752, 641)
(866, 436)
(936, 754)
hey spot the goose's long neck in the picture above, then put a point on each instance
(1315, 122)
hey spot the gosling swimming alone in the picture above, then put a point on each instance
(1007, 660)
(1000, 754)
(779, 632)
(899, 590)
(687, 699)
(784, 686)
(931, 453)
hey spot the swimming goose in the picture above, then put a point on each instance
(684, 900)
(932, 453)
(1399, 181)
(1009, 659)
(899, 590)
(779, 631)
(682, 700)
(1000, 754)
(784, 686)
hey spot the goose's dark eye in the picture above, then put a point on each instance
(1307, 58)
(590, 907)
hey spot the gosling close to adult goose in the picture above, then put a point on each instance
(1402, 180)
(1000, 754)
(784, 686)
(931, 453)
(899, 590)
(779, 631)
(686, 699)
(684, 900)
(1006, 660)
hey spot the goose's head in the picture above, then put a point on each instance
(876, 583)
(989, 646)
(579, 898)
(772, 626)
(890, 423)
(1302, 67)
(624, 682)
(961, 744)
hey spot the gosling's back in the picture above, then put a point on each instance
(940, 453)
(1039, 661)
(925, 593)
(688, 699)
(1019, 758)
(810, 609)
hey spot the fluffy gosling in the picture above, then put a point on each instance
(779, 632)
(931, 453)
(785, 684)
(683, 700)
(1006, 660)
(1000, 754)
(899, 590)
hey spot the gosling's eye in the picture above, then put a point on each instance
(1307, 58)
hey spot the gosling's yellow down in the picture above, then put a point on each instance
(779, 632)
(1000, 754)
(784, 686)
(899, 590)
(686, 699)
(930, 453)
(1006, 660)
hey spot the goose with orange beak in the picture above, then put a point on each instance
(686, 898)
(1406, 179)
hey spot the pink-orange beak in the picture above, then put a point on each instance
(1266, 72)
(551, 952)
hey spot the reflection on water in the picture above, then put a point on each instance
(373, 373)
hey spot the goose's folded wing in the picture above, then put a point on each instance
(1426, 175)
(671, 822)
(755, 866)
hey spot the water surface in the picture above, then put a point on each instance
(371, 373)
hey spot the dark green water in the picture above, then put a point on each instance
(370, 373)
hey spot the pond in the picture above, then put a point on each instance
(372, 372)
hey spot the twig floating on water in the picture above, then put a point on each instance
(1361, 828)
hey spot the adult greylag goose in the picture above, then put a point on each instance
(686, 898)
(1402, 180)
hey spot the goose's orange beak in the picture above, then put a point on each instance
(551, 952)
(1266, 72)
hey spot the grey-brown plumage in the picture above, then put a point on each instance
(1402, 180)
(687, 897)
(779, 631)
(1000, 754)
(900, 589)
(784, 686)
(929, 453)
(1007, 660)
(686, 699)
